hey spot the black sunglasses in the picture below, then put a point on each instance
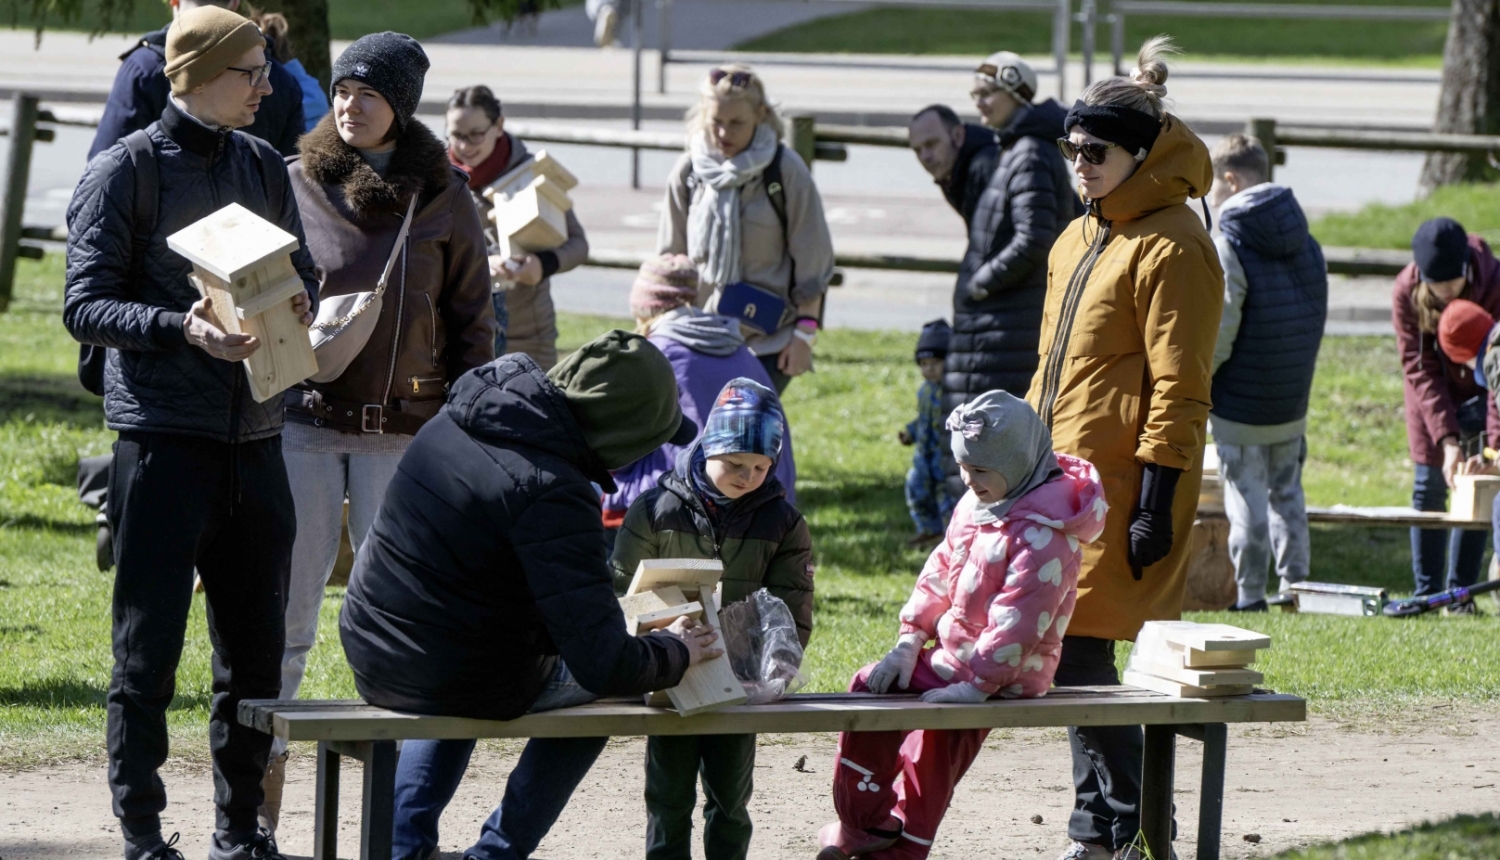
(736, 79)
(1093, 153)
(256, 75)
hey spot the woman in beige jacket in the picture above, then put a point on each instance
(479, 145)
(719, 213)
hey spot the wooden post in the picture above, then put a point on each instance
(23, 117)
(1264, 130)
(1117, 37)
(802, 135)
(326, 804)
(663, 44)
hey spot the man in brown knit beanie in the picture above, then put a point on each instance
(215, 496)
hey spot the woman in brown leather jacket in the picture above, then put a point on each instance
(357, 174)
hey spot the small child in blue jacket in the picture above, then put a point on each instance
(927, 495)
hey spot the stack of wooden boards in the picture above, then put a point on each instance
(1194, 661)
(531, 205)
(664, 590)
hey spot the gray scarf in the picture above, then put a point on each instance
(713, 228)
(699, 330)
(1000, 432)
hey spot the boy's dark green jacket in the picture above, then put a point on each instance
(762, 540)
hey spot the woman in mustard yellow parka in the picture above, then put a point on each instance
(1133, 301)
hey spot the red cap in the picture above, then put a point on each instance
(1462, 330)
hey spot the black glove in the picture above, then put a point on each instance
(1151, 527)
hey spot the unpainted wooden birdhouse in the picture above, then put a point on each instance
(531, 204)
(243, 264)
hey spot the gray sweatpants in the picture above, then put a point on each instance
(1266, 509)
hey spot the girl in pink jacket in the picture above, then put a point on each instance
(994, 600)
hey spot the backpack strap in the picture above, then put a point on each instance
(272, 174)
(776, 192)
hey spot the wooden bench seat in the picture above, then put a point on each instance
(368, 733)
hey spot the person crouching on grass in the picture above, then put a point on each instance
(994, 600)
(1467, 335)
(722, 501)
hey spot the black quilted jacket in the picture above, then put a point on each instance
(486, 562)
(1002, 282)
(154, 380)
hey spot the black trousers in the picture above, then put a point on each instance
(1106, 759)
(176, 503)
(673, 766)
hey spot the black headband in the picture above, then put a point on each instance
(1133, 130)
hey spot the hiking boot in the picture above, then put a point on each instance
(1256, 606)
(261, 846)
(269, 813)
(841, 842)
(1086, 851)
(153, 848)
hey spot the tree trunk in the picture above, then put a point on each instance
(307, 27)
(1470, 99)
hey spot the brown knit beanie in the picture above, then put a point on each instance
(203, 42)
(663, 283)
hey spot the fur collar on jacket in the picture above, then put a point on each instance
(419, 165)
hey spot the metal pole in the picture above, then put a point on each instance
(18, 170)
(635, 104)
(1117, 36)
(1089, 15)
(1061, 25)
(663, 44)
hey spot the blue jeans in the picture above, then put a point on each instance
(502, 322)
(1440, 560)
(428, 774)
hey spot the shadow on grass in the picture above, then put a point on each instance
(72, 693)
(859, 524)
(32, 521)
(1350, 555)
(48, 399)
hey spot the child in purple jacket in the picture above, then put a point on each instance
(706, 351)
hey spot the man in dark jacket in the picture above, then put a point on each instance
(960, 156)
(1002, 281)
(1275, 307)
(140, 92)
(198, 479)
(483, 589)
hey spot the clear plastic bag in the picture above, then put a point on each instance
(760, 640)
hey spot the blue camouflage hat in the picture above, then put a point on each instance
(746, 419)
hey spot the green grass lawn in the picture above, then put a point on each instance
(347, 19)
(963, 31)
(1476, 206)
(55, 607)
(1463, 837)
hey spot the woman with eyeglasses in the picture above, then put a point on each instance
(1134, 295)
(479, 145)
(744, 207)
(378, 198)
(1002, 281)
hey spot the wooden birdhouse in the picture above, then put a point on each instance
(664, 590)
(1473, 496)
(531, 204)
(243, 264)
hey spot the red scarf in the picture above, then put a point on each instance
(487, 171)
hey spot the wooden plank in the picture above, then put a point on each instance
(1192, 658)
(708, 684)
(1212, 637)
(659, 618)
(1204, 677)
(1180, 690)
(689, 574)
(231, 242)
(1108, 706)
(264, 300)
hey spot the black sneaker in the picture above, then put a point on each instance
(261, 846)
(153, 849)
(1257, 606)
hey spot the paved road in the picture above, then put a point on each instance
(713, 25)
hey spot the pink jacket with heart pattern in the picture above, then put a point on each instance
(997, 594)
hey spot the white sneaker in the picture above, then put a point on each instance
(605, 26)
(1085, 851)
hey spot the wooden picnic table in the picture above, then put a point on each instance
(369, 734)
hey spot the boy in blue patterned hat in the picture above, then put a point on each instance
(927, 495)
(722, 501)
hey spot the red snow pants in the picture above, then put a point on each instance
(909, 774)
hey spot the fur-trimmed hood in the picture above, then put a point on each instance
(419, 166)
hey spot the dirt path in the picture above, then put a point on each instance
(1291, 785)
